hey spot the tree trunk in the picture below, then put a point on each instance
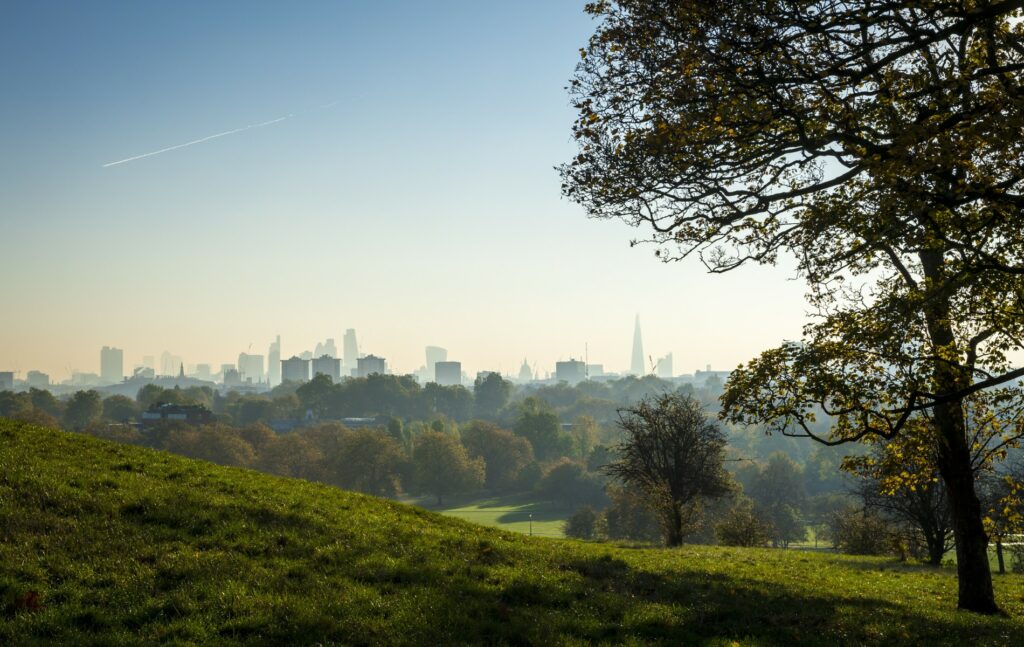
(954, 455)
(934, 533)
(973, 574)
(674, 527)
(936, 548)
(999, 556)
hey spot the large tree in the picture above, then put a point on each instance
(83, 409)
(504, 453)
(674, 454)
(441, 466)
(877, 143)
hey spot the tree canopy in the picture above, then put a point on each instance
(878, 144)
(674, 454)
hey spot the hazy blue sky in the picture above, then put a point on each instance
(422, 207)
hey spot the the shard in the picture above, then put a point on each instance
(637, 365)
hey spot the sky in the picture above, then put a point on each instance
(398, 178)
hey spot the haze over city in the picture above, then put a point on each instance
(383, 167)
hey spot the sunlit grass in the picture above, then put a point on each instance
(110, 544)
(518, 513)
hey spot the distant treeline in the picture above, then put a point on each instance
(390, 396)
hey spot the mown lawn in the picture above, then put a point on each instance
(518, 513)
(109, 544)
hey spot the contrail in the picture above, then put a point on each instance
(199, 141)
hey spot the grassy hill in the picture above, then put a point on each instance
(102, 543)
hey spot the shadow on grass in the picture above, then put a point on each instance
(605, 600)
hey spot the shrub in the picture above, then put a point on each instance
(582, 524)
(630, 517)
(742, 526)
(859, 532)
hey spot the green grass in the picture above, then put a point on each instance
(108, 544)
(518, 513)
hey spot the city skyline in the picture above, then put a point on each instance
(205, 249)
(259, 366)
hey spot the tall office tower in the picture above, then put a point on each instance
(169, 364)
(274, 362)
(111, 365)
(166, 360)
(204, 372)
(351, 349)
(435, 354)
(369, 365)
(665, 369)
(38, 380)
(295, 369)
(250, 368)
(636, 366)
(573, 371)
(326, 365)
(447, 373)
(327, 348)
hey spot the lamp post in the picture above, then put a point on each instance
(531, 524)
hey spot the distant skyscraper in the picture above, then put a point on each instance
(295, 369)
(371, 364)
(38, 380)
(204, 372)
(573, 371)
(169, 364)
(274, 362)
(636, 366)
(351, 349)
(327, 348)
(435, 354)
(250, 367)
(111, 365)
(6, 381)
(329, 366)
(447, 373)
(665, 369)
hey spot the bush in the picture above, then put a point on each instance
(582, 524)
(568, 484)
(859, 532)
(742, 526)
(630, 517)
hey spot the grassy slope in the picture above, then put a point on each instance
(125, 544)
